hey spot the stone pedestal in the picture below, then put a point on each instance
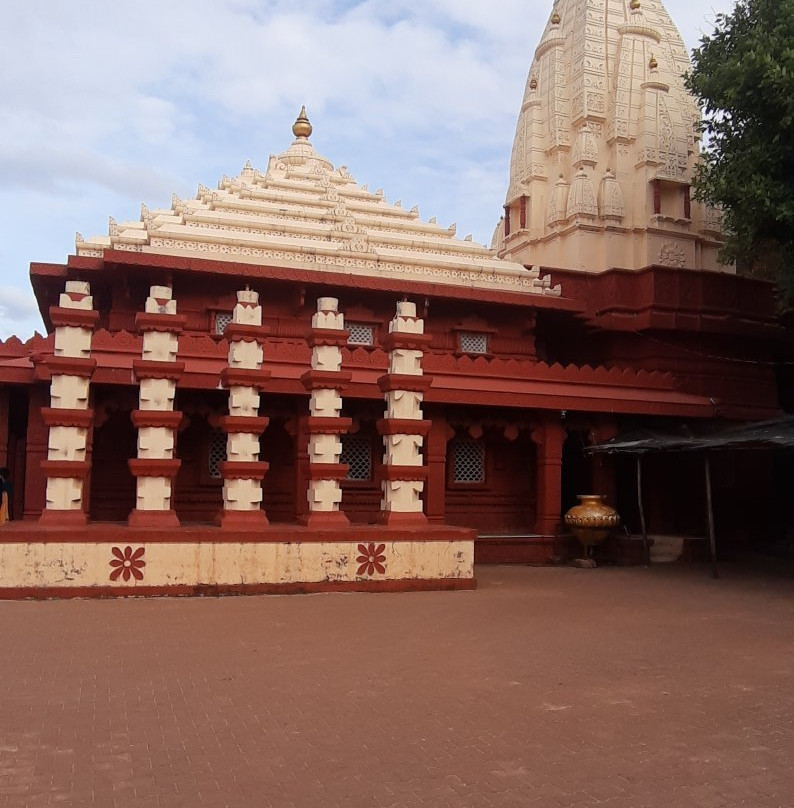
(403, 427)
(325, 425)
(157, 372)
(69, 417)
(244, 377)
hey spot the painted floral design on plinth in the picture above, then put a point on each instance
(371, 559)
(128, 563)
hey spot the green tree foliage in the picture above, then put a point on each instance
(743, 77)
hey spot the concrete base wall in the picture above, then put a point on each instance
(112, 560)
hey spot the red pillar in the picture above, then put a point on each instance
(549, 437)
(436, 454)
(4, 396)
(302, 471)
(35, 483)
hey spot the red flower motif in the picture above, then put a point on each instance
(127, 564)
(371, 559)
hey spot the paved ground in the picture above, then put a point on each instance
(624, 688)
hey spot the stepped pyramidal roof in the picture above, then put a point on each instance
(605, 146)
(304, 212)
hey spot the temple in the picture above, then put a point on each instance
(291, 384)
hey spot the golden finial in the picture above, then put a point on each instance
(653, 64)
(533, 83)
(634, 5)
(302, 127)
(555, 18)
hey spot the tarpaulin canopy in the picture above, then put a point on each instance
(774, 432)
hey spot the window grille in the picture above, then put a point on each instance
(471, 342)
(357, 453)
(360, 334)
(468, 461)
(217, 453)
(221, 321)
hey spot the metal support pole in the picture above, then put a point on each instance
(715, 573)
(643, 527)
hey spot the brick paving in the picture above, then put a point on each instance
(549, 688)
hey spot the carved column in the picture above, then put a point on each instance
(326, 381)
(549, 439)
(403, 427)
(244, 376)
(157, 372)
(69, 416)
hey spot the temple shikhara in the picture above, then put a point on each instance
(290, 383)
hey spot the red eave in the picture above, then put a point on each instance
(115, 260)
(203, 373)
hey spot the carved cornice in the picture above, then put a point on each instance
(244, 377)
(166, 323)
(154, 467)
(153, 369)
(326, 379)
(54, 416)
(243, 469)
(403, 426)
(328, 471)
(403, 381)
(245, 332)
(242, 424)
(323, 425)
(403, 472)
(70, 469)
(83, 367)
(75, 318)
(170, 419)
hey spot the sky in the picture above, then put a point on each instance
(107, 105)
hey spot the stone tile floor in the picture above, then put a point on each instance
(623, 688)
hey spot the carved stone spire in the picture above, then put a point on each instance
(605, 107)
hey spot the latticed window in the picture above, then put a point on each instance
(468, 461)
(473, 342)
(357, 453)
(360, 334)
(217, 453)
(222, 319)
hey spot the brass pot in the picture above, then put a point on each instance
(591, 521)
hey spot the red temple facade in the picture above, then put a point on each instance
(289, 384)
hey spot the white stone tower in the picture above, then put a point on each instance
(605, 146)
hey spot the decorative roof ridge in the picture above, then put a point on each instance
(302, 210)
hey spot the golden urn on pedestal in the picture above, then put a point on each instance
(591, 521)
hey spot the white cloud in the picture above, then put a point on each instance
(19, 312)
(106, 105)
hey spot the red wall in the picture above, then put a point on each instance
(505, 501)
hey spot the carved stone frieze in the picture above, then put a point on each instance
(672, 255)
